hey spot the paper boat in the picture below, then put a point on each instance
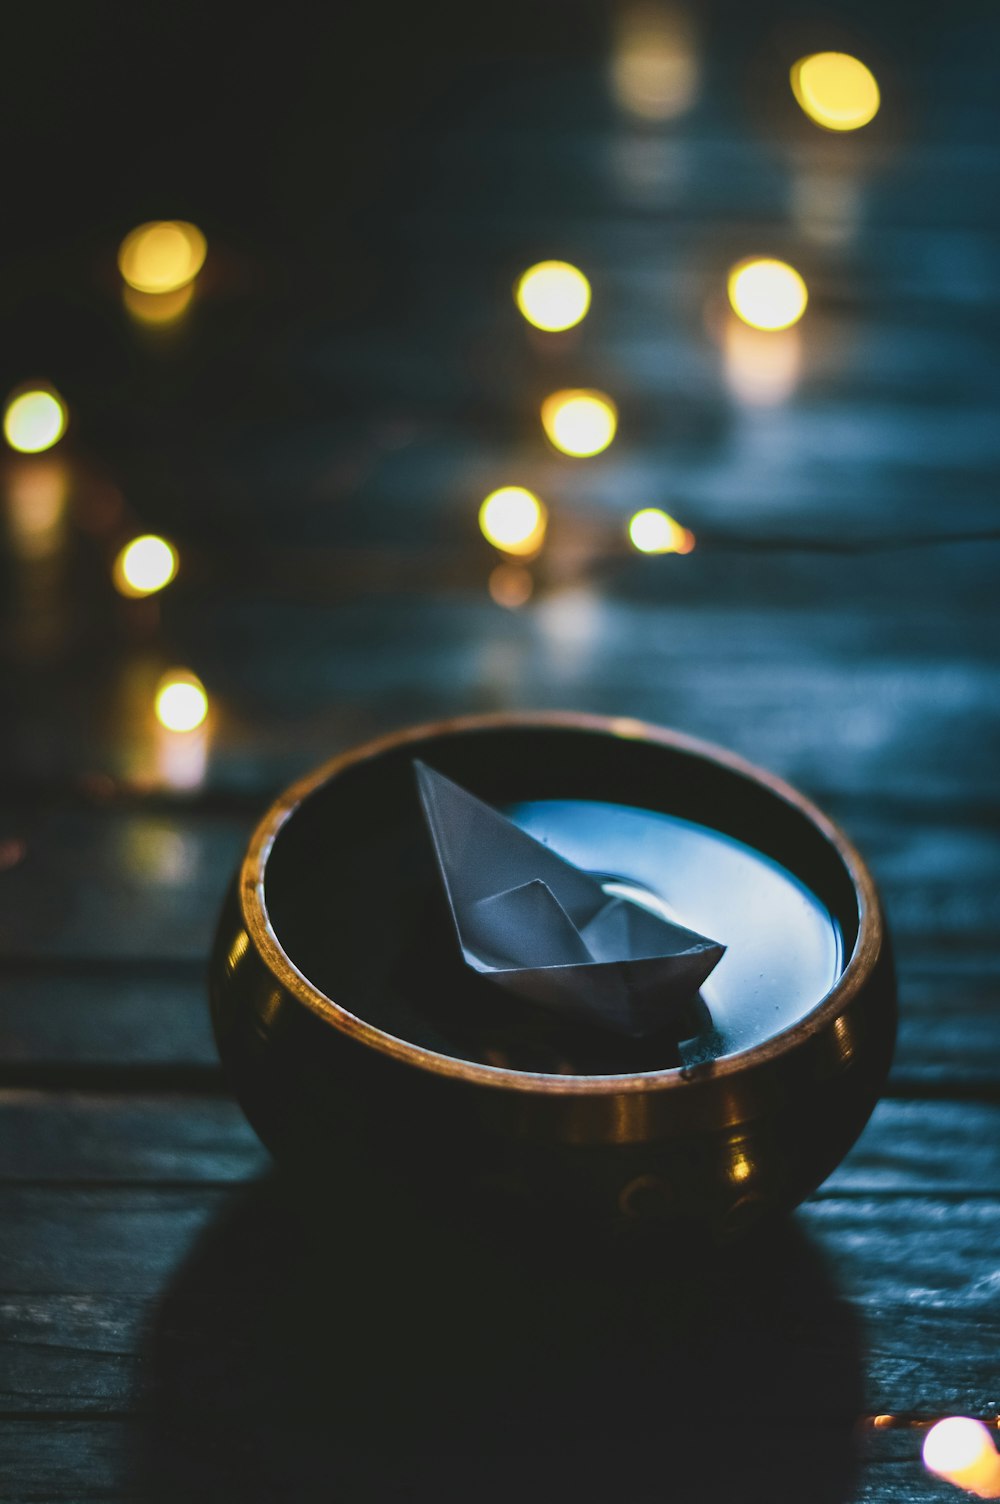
(533, 923)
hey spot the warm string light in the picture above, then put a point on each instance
(181, 703)
(145, 565)
(655, 75)
(651, 531)
(579, 423)
(161, 256)
(34, 419)
(514, 520)
(767, 294)
(962, 1451)
(159, 263)
(835, 90)
(553, 295)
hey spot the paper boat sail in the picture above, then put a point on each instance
(535, 924)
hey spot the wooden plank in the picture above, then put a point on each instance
(133, 885)
(130, 1463)
(125, 1240)
(844, 700)
(79, 1021)
(73, 1138)
(109, 1025)
(949, 1024)
(212, 1301)
(942, 1148)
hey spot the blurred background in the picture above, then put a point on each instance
(376, 362)
(311, 397)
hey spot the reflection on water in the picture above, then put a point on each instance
(154, 851)
(825, 206)
(784, 950)
(35, 492)
(654, 64)
(761, 368)
(181, 757)
(158, 309)
(510, 585)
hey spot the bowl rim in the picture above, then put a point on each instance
(253, 910)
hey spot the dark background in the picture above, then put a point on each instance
(316, 436)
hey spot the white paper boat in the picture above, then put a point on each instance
(535, 924)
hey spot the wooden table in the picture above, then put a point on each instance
(316, 434)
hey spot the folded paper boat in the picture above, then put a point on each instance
(538, 926)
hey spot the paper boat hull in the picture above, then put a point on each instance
(541, 928)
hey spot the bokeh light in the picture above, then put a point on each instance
(162, 255)
(34, 420)
(767, 294)
(962, 1451)
(553, 295)
(654, 67)
(181, 702)
(653, 531)
(580, 423)
(835, 90)
(511, 585)
(514, 520)
(145, 565)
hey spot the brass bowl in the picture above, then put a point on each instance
(714, 1147)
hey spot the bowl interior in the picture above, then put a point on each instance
(355, 900)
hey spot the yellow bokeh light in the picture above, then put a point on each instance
(514, 520)
(961, 1451)
(578, 422)
(835, 90)
(767, 294)
(162, 255)
(145, 565)
(34, 420)
(181, 702)
(652, 531)
(553, 295)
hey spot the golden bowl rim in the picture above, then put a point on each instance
(867, 948)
